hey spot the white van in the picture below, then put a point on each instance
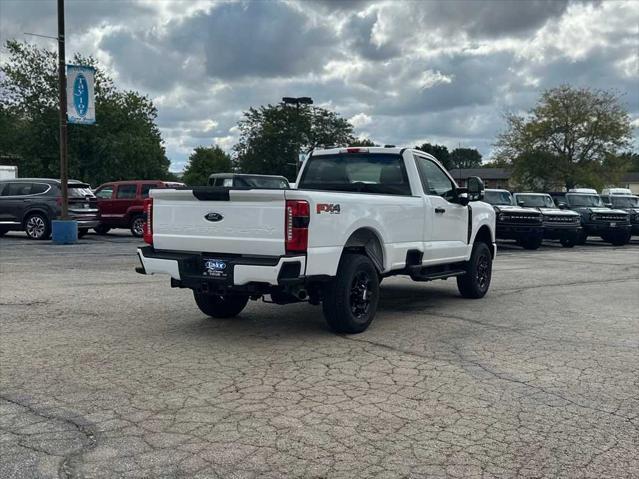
(615, 191)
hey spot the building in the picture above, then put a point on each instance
(493, 177)
(500, 178)
(631, 181)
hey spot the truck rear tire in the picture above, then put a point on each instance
(350, 300)
(102, 229)
(475, 283)
(567, 242)
(218, 306)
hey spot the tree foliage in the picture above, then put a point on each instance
(362, 142)
(203, 162)
(576, 134)
(465, 158)
(271, 136)
(125, 142)
(438, 151)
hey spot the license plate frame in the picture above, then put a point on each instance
(217, 269)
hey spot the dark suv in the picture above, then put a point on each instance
(121, 203)
(524, 225)
(628, 203)
(613, 226)
(29, 205)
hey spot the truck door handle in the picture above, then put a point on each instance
(440, 210)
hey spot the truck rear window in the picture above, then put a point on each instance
(364, 173)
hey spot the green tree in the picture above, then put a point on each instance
(362, 142)
(203, 162)
(574, 130)
(465, 158)
(271, 136)
(438, 151)
(125, 143)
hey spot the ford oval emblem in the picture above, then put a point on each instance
(213, 217)
(81, 95)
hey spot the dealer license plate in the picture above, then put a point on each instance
(217, 268)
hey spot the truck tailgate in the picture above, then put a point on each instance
(236, 222)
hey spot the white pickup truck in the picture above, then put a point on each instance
(356, 216)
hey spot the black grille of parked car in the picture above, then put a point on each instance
(561, 218)
(520, 218)
(608, 217)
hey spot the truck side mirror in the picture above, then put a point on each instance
(521, 203)
(475, 188)
(562, 206)
(461, 196)
(608, 205)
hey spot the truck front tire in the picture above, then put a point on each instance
(218, 306)
(475, 283)
(350, 300)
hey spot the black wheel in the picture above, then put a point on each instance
(101, 229)
(532, 243)
(137, 226)
(37, 226)
(476, 281)
(620, 239)
(350, 300)
(567, 242)
(581, 238)
(218, 306)
(82, 232)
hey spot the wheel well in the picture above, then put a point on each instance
(365, 241)
(484, 236)
(32, 211)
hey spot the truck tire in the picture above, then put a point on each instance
(620, 239)
(475, 283)
(217, 306)
(37, 226)
(350, 300)
(567, 242)
(582, 237)
(82, 232)
(101, 229)
(532, 243)
(137, 226)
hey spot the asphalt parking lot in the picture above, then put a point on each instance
(107, 373)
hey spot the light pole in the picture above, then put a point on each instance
(302, 100)
(62, 87)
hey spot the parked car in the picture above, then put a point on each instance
(241, 180)
(357, 215)
(612, 225)
(121, 203)
(627, 202)
(29, 205)
(524, 225)
(562, 225)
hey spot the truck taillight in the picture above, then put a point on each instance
(296, 226)
(148, 221)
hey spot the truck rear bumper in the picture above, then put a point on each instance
(189, 269)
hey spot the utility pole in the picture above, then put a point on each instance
(303, 100)
(62, 87)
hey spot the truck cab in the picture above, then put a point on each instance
(627, 202)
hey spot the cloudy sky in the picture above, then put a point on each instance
(402, 72)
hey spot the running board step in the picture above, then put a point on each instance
(420, 273)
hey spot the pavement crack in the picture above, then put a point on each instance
(71, 460)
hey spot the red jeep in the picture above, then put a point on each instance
(121, 203)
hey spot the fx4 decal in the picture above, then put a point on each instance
(330, 208)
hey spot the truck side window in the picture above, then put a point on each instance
(126, 192)
(145, 189)
(105, 193)
(434, 180)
